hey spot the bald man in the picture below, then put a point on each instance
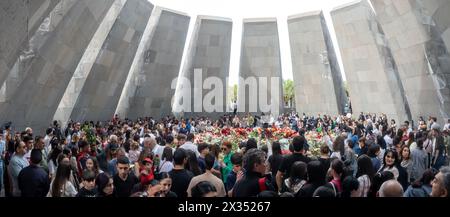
(391, 188)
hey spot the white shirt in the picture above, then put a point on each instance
(388, 140)
(47, 146)
(158, 150)
(447, 126)
(190, 146)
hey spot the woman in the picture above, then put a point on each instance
(61, 186)
(298, 177)
(275, 160)
(337, 173)
(338, 148)
(316, 178)
(406, 162)
(216, 170)
(53, 161)
(364, 174)
(391, 163)
(192, 163)
(411, 141)
(92, 164)
(166, 183)
(166, 164)
(438, 158)
(390, 160)
(105, 185)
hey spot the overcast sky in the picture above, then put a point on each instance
(239, 9)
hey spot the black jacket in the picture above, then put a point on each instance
(33, 181)
(249, 185)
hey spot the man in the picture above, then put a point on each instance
(283, 173)
(253, 181)
(208, 176)
(226, 165)
(40, 145)
(82, 157)
(180, 176)
(438, 148)
(17, 163)
(29, 131)
(124, 180)
(440, 186)
(189, 145)
(447, 125)
(391, 188)
(181, 139)
(33, 180)
(150, 143)
(108, 153)
(203, 148)
(48, 137)
(29, 143)
(88, 189)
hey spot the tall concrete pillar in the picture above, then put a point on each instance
(53, 63)
(86, 63)
(318, 82)
(100, 94)
(419, 36)
(372, 75)
(148, 90)
(209, 55)
(260, 67)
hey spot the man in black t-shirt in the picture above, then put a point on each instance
(124, 180)
(285, 168)
(180, 176)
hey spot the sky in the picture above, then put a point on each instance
(239, 9)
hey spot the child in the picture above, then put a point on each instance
(236, 160)
(88, 189)
(146, 172)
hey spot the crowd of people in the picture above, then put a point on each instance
(365, 156)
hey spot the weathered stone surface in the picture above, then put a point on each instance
(100, 94)
(86, 63)
(209, 51)
(417, 31)
(260, 58)
(317, 78)
(55, 59)
(19, 20)
(372, 76)
(148, 90)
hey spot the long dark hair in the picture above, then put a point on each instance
(167, 154)
(396, 162)
(365, 167)
(192, 163)
(339, 145)
(62, 176)
(276, 148)
(338, 166)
